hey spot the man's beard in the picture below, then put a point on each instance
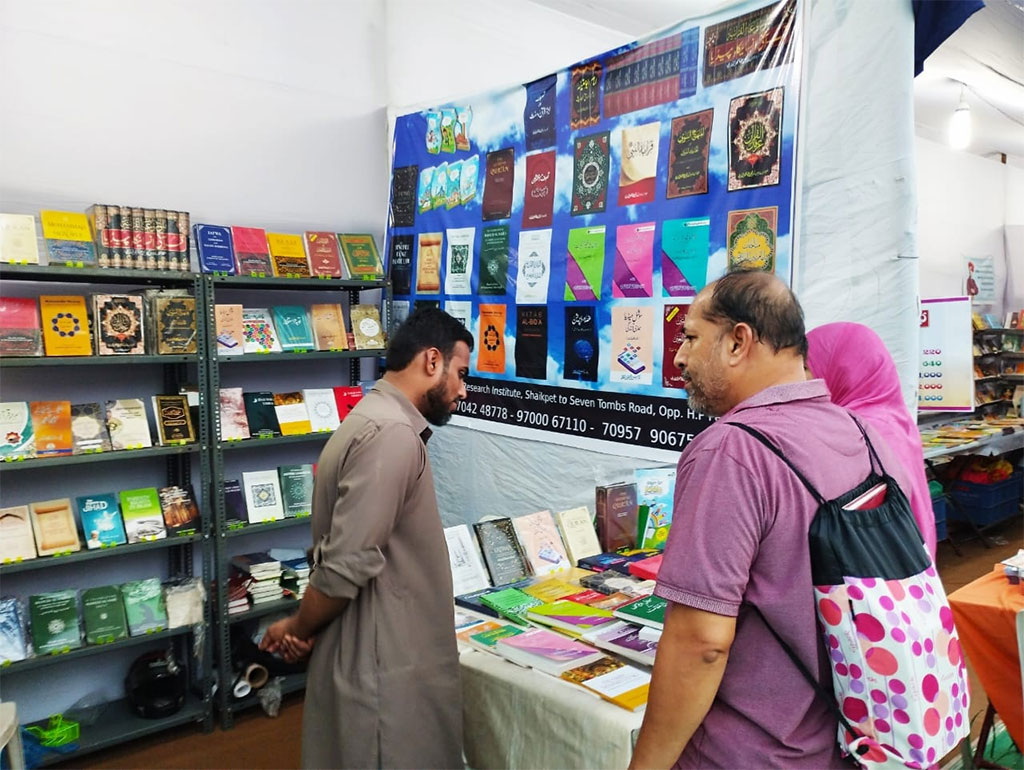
(438, 405)
(706, 396)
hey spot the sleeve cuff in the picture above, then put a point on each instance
(345, 576)
(697, 601)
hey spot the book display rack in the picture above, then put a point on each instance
(998, 370)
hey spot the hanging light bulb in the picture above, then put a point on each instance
(960, 124)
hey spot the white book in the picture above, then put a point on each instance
(543, 545)
(234, 425)
(16, 539)
(263, 495)
(578, 533)
(468, 573)
(259, 331)
(322, 408)
(128, 424)
(16, 427)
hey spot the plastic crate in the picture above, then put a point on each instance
(939, 506)
(988, 503)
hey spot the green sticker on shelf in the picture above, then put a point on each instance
(323, 277)
(303, 515)
(260, 275)
(337, 350)
(237, 525)
(5, 664)
(301, 350)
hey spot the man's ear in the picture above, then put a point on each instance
(741, 341)
(432, 361)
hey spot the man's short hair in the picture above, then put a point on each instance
(426, 327)
(764, 303)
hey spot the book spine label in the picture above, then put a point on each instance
(101, 233)
(184, 261)
(114, 235)
(128, 256)
(138, 238)
(160, 227)
(149, 238)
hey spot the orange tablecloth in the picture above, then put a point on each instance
(986, 615)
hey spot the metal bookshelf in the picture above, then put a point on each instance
(117, 723)
(339, 290)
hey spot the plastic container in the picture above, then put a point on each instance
(988, 503)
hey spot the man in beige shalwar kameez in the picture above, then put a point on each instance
(383, 685)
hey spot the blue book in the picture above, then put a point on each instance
(101, 520)
(293, 329)
(216, 252)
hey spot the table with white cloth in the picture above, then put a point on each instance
(518, 718)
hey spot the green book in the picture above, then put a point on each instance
(144, 606)
(296, 489)
(570, 616)
(54, 618)
(142, 514)
(512, 603)
(490, 638)
(649, 611)
(293, 329)
(103, 613)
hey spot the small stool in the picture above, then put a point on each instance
(10, 736)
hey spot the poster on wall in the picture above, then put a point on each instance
(570, 221)
(980, 279)
(946, 371)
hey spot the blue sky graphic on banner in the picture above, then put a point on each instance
(570, 221)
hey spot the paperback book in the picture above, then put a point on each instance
(322, 409)
(262, 496)
(180, 511)
(546, 651)
(65, 322)
(625, 686)
(296, 489)
(541, 542)
(324, 254)
(578, 533)
(258, 331)
(102, 526)
(293, 329)
(21, 333)
(288, 255)
(18, 239)
(216, 251)
(51, 421)
(175, 324)
(68, 238)
(510, 603)
(17, 543)
(251, 254)
(329, 327)
(103, 614)
(570, 617)
(128, 424)
(143, 517)
(119, 324)
(648, 611)
(16, 425)
(13, 645)
(230, 330)
(366, 327)
(624, 639)
(144, 606)
(53, 525)
(234, 425)
(503, 554)
(54, 621)
(292, 417)
(259, 412)
(468, 573)
(173, 421)
(89, 429)
(361, 257)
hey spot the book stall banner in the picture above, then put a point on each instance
(946, 375)
(570, 221)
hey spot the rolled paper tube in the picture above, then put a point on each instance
(241, 687)
(256, 675)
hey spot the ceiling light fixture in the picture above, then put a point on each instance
(960, 124)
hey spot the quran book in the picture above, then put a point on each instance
(103, 615)
(12, 631)
(647, 611)
(345, 398)
(18, 239)
(296, 489)
(503, 554)
(143, 516)
(54, 621)
(468, 573)
(234, 424)
(53, 525)
(361, 257)
(230, 330)
(262, 496)
(16, 428)
(322, 409)
(292, 416)
(324, 254)
(181, 513)
(175, 325)
(366, 327)
(128, 424)
(20, 331)
(329, 327)
(288, 254)
(65, 321)
(550, 590)
(17, 543)
(541, 542)
(144, 606)
(51, 422)
(616, 515)
(102, 525)
(570, 617)
(173, 420)
(578, 533)
(625, 686)
(68, 238)
(510, 603)
(258, 331)
(259, 411)
(251, 254)
(293, 329)
(118, 320)
(546, 651)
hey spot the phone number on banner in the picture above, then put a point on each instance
(631, 419)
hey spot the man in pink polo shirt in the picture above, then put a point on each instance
(724, 693)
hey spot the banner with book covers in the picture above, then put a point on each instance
(570, 221)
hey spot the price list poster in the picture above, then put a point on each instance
(569, 222)
(945, 378)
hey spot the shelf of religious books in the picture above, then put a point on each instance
(105, 461)
(299, 301)
(999, 364)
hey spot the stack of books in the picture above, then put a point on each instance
(265, 574)
(295, 576)
(238, 592)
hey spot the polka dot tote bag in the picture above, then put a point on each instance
(899, 679)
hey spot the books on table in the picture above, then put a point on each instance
(486, 639)
(617, 682)
(541, 542)
(468, 573)
(648, 611)
(503, 554)
(510, 603)
(546, 651)
(551, 590)
(578, 533)
(625, 639)
(570, 617)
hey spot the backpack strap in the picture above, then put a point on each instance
(873, 457)
(778, 452)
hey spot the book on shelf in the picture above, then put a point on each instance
(324, 254)
(68, 237)
(486, 639)
(293, 329)
(174, 325)
(258, 564)
(99, 224)
(102, 525)
(551, 589)
(144, 606)
(578, 533)
(570, 617)
(655, 497)
(624, 685)
(216, 251)
(138, 237)
(541, 542)
(13, 646)
(18, 239)
(234, 502)
(51, 421)
(251, 254)
(322, 408)
(89, 428)
(503, 554)
(16, 427)
(128, 424)
(296, 489)
(17, 543)
(288, 255)
(646, 611)
(54, 620)
(468, 573)
(292, 417)
(103, 615)
(234, 424)
(65, 320)
(21, 333)
(259, 411)
(624, 639)
(119, 325)
(180, 510)
(546, 651)
(230, 330)
(127, 230)
(142, 514)
(616, 515)
(173, 420)
(510, 603)
(329, 327)
(262, 496)
(345, 399)
(258, 331)
(362, 261)
(366, 328)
